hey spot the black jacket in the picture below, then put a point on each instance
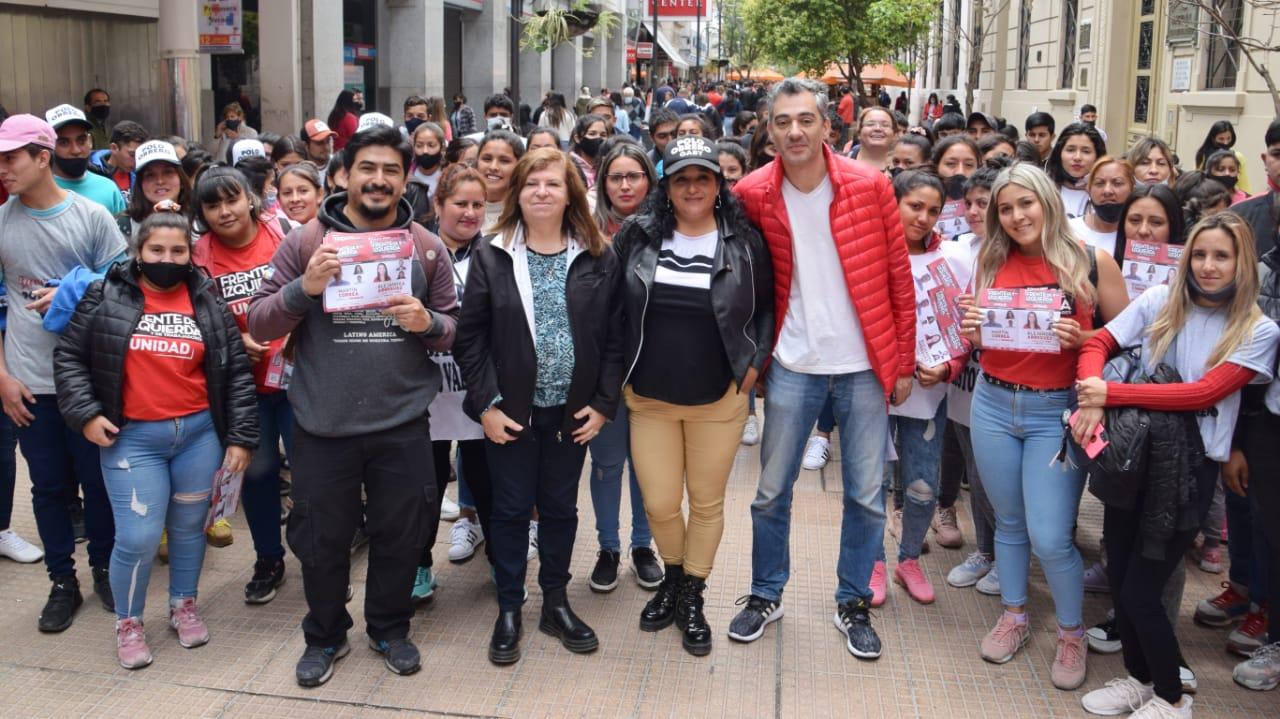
(741, 290)
(1262, 213)
(494, 346)
(88, 362)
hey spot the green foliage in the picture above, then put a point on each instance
(555, 26)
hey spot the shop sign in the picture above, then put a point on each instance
(218, 24)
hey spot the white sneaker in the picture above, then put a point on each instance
(990, 582)
(816, 453)
(533, 541)
(1157, 708)
(449, 510)
(465, 537)
(975, 567)
(1119, 696)
(1261, 672)
(18, 549)
(751, 431)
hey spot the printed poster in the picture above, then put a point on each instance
(375, 266)
(937, 318)
(1021, 320)
(225, 497)
(1147, 264)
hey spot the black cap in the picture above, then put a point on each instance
(986, 118)
(690, 150)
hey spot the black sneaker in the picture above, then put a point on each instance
(102, 588)
(60, 609)
(604, 578)
(1104, 638)
(751, 621)
(316, 665)
(647, 569)
(268, 574)
(402, 656)
(853, 619)
(77, 522)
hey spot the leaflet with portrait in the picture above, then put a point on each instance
(375, 266)
(937, 317)
(1147, 264)
(1021, 319)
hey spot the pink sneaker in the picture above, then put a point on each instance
(186, 621)
(1069, 660)
(131, 644)
(878, 581)
(910, 576)
(1006, 638)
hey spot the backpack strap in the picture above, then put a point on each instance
(126, 225)
(1093, 280)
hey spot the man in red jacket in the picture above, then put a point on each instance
(845, 309)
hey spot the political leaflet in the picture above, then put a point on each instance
(375, 266)
(1021, 319)
(1147, 264)
(937, 317)
(225, 497)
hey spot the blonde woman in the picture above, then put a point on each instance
(1207, 325)
(1017, 411)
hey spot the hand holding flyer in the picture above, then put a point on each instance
(375, 266)
(1147, 264)
(1020, 320)
(937, 317)
(225, 497)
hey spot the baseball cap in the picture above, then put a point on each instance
(690, 150)
(988, 119)
(316, 130)
(22, 130)
(155, 151)
(247, 148)
(370, 120)
(65, 114)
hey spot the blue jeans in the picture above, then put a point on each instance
(827, 417)
(8, 468)
(159, 476)
(794, 403)
(1247, 547)
(261, 493)
(919, 444)
(1016, 435)
(609, 450)
(55, 456)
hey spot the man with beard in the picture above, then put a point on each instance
(358, 429)
(71, 159)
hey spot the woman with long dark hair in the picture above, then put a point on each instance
(500, 150)
(584, 146)
(1151, 214)
(558, 117)
(1222, 137)
(344, 117)
(159, 178)
(1078, 146)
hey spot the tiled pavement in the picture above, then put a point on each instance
(800, 668)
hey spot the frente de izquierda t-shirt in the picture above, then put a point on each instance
(238, 272)
(164, 365)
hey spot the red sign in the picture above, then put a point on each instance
(677, 8)
(644, 51)
(631, 53)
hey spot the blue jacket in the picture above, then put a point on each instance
(70, 289)
(98, 163)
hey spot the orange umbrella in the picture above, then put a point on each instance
(883, 74)
(763, 75)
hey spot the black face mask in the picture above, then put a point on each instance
(232, 125)
(1229, 181)
(359, 107)
(413, 124)
(895, 171)
(100, 112)
(426, 161)
(955, 187)
(591, 145)
(164, 274)
(1220, 146)
(1223, 295)
(1109, 212)
(71, 167)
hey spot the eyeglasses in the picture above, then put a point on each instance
(629, 178)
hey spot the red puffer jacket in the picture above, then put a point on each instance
(873, 252)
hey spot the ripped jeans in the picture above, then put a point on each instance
(919, 445)
(159, 476)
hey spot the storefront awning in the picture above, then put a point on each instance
(669, 47)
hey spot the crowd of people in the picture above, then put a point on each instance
(640, 271)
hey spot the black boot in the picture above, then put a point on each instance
(690, 619)
(504, 647)
(559, 621)
(660, 611)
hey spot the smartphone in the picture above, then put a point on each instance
(1097, 442)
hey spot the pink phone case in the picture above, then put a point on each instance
(1097, 442)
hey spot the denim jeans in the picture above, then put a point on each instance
(1246, 546)
(54, 454)
(919, 444)
(827, 417)
(609, 450)
(1016, 435)
(261, 493)
(8, 468)
(159, 476)
(795, 401)
(984, 517)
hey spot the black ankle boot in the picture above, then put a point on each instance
(659, 612)
(559, 621)
(690, 619)
(504, 647)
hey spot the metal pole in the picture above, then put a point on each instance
(517, 14)
(653, 61)
(697, 44)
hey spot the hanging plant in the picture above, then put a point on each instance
(554, 26)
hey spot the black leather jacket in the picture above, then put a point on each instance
(741, 291)
(88, 361)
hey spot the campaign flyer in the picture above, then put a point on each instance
(952, 221)
(375, 266)
(225, 497)
(937, 317)
(1021, 319)
(1147, 264)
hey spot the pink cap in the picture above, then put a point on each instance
(22, 130)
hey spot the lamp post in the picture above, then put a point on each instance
(653, 60)
(697, 44)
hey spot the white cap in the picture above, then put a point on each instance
(153, 151)
(63, 114)
(247, 148)
(370, 120)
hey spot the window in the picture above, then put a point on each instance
(1145, 33)
(1070, 12)
(1222, 58)
(1024, 43)
(1142, 100)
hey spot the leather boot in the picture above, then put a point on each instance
(690, 619)
(559, 621)
(504, 647)
(660, 611)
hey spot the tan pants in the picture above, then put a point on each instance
(677, 448)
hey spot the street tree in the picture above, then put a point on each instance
(740, 47)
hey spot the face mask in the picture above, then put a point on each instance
(1220, 146)
(895, 171)
(359, 107)
(72, 167)
(496, 123)
(1228, 180)
(164, 274)
(591, 145)
(426, 161)
(457, 103)
(1222, 295)
(1109, 212)
(232, 125)
(100, 112)
(413, 124)
(269, 199)
(955, 187)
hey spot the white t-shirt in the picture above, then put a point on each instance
(448, 420)
(1075, 201)
(923, 402)
(821, 333)
(432, 180)
(1190, 350)
(1091, 237)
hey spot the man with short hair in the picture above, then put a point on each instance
(662, 130)
(603, 107)
(71, 159)
(1040, 127)
(1089, 116)
(844, 303)
(45, 231)
(415, 113)
(463, 118)
(116, 162)
(980, 124)
(1258, 210)
(680, 104)
(358, 430)
(97, 104)
(949, 124)
(318, 137)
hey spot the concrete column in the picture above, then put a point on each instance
(179, 45)
(415, 52)
(281, 72)
(616, 57)
(566, 69)
(535, 77)
(593, 67)
(321, 31)
(486, 39)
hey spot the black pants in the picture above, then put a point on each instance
(475, 466)
(540, 469)
(1150, 647)
(953, 468)
(1258, 440)
(394, 469)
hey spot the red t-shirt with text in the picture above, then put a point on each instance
(238, 272)
(164, 367)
